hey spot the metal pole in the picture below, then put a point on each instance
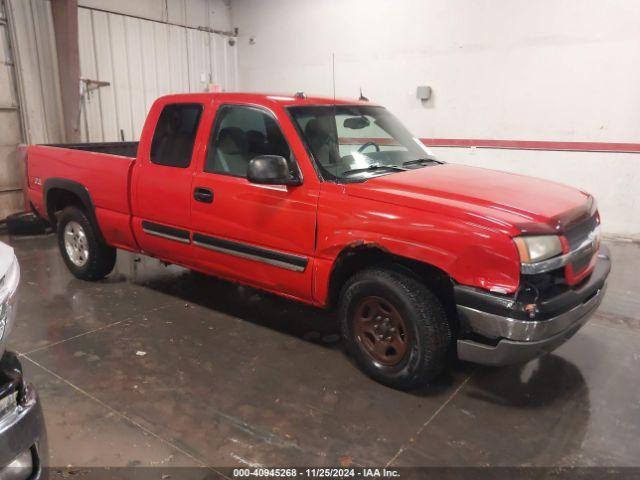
(65, 24)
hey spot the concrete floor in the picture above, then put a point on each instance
(161, 366)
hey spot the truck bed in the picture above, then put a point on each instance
(102, 169)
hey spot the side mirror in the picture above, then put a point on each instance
(271, 170)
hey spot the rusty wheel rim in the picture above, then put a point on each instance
(380, 330)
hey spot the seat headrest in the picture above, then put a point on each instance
(233, 141)
(313, 129)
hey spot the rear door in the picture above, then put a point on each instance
(161, 181)
(263, 235)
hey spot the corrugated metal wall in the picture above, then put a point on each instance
(142, 60)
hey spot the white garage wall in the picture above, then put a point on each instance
(142, 60)
(554, 70)
(612, 177)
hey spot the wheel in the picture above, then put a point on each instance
(394, 327)
(26, 223)
(85, 255)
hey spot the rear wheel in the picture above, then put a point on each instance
(85, 255)
(394, 327)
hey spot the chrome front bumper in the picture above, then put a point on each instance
(22, 429)
(504, 336)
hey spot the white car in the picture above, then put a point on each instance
(23, 443)
(9, 280)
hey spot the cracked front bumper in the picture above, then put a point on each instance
(496, 331)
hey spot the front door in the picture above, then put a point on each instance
(263, 235)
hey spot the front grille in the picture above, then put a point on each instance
(578, 233)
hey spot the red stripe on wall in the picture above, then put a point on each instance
(363, 140)
(534, 145)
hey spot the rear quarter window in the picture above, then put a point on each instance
(175, 134)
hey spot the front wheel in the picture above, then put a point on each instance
(394, 327)
(86, 256)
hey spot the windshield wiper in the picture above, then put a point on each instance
(374, 167)
(420, 161)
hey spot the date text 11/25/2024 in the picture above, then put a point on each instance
(364, 472)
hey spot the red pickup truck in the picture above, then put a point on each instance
(336, 204)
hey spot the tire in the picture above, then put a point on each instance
(26, 223)
(423, 325)
(92, 259)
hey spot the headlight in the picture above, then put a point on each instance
(537, 248)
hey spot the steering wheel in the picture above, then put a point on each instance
(368, 144)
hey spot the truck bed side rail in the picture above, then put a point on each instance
(123, 149)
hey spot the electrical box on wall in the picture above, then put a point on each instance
(423, 93)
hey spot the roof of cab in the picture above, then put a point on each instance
(266, 99)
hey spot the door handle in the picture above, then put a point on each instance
(203, 195)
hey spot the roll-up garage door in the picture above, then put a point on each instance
(10, 124)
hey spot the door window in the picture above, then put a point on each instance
(175, 134)
(241, 134)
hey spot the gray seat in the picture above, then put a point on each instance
(232, 152)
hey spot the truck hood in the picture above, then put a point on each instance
(507, 201)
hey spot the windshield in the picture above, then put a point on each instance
(356, 142)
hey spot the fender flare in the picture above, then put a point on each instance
(79, 191)
(384, 256)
